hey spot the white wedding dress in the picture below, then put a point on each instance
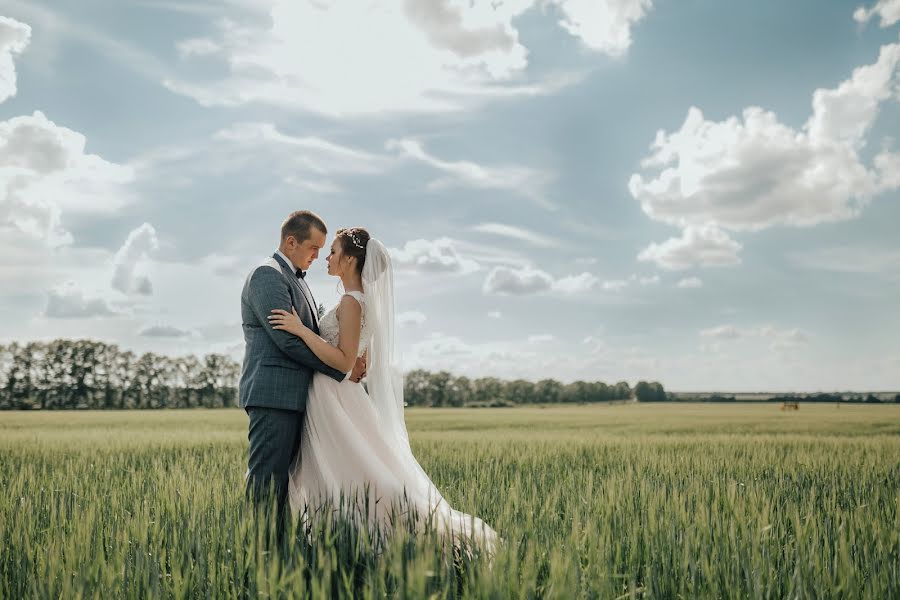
(347, 448)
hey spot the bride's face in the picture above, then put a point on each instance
(334, 259)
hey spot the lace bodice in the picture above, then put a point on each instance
(329, 328)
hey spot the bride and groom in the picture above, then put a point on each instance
(316, 434)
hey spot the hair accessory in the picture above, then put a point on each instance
(351, 233)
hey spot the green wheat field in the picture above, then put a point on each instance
(621, 501)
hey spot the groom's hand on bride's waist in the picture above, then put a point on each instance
(359, 370)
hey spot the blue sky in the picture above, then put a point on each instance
(701, 193)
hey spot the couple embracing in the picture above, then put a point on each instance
(316, 434)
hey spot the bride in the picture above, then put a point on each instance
(355, 442)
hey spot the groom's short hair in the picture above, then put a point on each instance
(299, 223)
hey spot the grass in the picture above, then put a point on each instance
(624, 501)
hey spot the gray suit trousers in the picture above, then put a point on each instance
(274, 441)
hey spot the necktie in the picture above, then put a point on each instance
(301, 274)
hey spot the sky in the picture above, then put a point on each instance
(698, 192)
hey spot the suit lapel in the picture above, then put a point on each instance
(300, 287)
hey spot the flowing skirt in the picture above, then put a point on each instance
(344, 454)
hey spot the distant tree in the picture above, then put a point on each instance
(643, 392)
(5, 364)
(208, 380)
(49, 374)
(520, 392)
(459, 391)
(486, 390)
(415, 389)
(621, 391)
(574, 392)
(438, 389)
(188, 377)
(720, 398)
(20, 383)
(143, 381)
(106, 390)
(84, 362)
(659, 393)
(649, 392)
(548, 390)
(125, 373)
(600, 392)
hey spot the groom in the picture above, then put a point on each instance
(278, 367)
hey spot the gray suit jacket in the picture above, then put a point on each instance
(278, 366)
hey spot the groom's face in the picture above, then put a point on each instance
(302, 254)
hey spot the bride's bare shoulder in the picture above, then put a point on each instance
(350, 305)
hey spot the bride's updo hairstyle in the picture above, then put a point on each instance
(353, 243)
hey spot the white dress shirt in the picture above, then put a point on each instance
(287, 260)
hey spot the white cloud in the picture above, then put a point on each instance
(342, 59)
(28, 268)
(523, 181)
(489, 359)
(615, 285)
(887, 10)
(516, 233)
(517, 282)
(604, 25)
(779, 339)
(575, 284)
(467, 33)
(527, 280)
(69, 302)
(197, 47)
(314, 154)
(888, 166)
(45, 171)
(14, 37)
(440, 256)
(227, 266)
(646, 279)
(785, 341)
(598, 348)
(164, 331)
(131, 260)
(541, 338)
(495, 314)
(845, 114)
(749, 174)
(411, 317)
(704, 245)
(309, 162)
(722, 332)
(752, 172)
(690, 283)
(860, 259)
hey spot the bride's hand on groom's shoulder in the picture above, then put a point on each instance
(287, 321)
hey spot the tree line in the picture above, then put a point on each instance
(67, 374)
(424, 388)
(87, 374)
(833, 398)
